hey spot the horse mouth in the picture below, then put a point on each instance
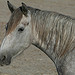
(5, 63)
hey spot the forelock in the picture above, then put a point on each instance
(14, 20)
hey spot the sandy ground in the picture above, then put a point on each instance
(32, 61)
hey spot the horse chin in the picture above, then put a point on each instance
(8, 63)
(5, 64)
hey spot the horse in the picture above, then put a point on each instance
(50, 31)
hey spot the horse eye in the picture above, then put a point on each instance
(21, 29)
(6, 27)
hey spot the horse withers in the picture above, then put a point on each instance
(52, 32)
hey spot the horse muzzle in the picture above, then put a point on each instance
(5, 60)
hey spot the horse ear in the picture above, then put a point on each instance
(24, 9)
(11, 7)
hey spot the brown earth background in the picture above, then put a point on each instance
(32, 61)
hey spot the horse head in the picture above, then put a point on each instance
(18, 33)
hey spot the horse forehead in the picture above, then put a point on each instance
(13, 24)
(23, 19)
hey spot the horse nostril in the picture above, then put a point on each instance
(3, 58)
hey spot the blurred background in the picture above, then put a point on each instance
(32, 61)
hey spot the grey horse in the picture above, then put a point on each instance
(51, 32)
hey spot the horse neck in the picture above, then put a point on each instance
(41, 35)
(47, 36)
